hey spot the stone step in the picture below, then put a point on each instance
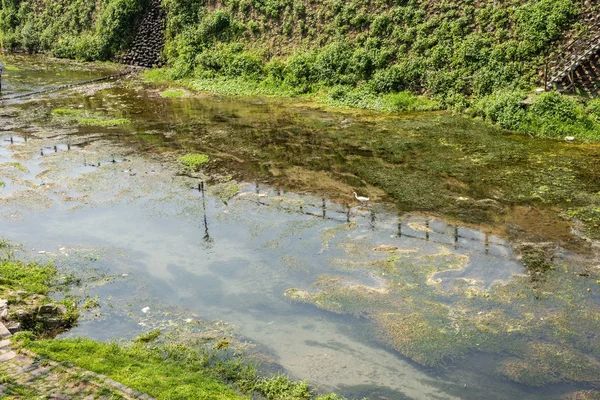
(4, 332)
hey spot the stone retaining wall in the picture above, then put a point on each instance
(149, 41)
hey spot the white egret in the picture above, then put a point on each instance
(360, 198)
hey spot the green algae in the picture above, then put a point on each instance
(460, 167)
(590, 218)
(543, 326)
(85, 118)
(67, 112)
(16, 165)
(225, 191)
(100, 121)
(173, 93)
(193, 161)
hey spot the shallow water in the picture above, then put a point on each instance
(444, 195)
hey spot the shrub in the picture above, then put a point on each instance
(593, 110)
(554, 106)
(505, 108)
(30, 37)
(244, 64)
(301, 71)
(406, 75)
(275, 70)
(114, 27)
(332, 62)
(540, 21)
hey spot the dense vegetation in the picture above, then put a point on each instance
(480, 57)
(83, 29)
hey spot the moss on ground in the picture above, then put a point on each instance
(193, 162)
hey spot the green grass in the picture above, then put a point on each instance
(140, 368)
(30, 277)
(339, 96)
(171, 371)
(225, 86)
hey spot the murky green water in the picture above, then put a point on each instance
(461, 278)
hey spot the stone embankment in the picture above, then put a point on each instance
(30, 315)
(149, 40)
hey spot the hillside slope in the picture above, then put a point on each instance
(440, 47)
(83, 29)
(476, 55)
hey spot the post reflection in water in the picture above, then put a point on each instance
(425, 228)
(207, 238)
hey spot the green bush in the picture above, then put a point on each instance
(505, 108)
(554, 106)
(301, 72)
(593, 110)
(406, 75)
(541, 21)
(332, 63)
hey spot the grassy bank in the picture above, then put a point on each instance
(172, 370)
(27, 288)
(480, 58)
